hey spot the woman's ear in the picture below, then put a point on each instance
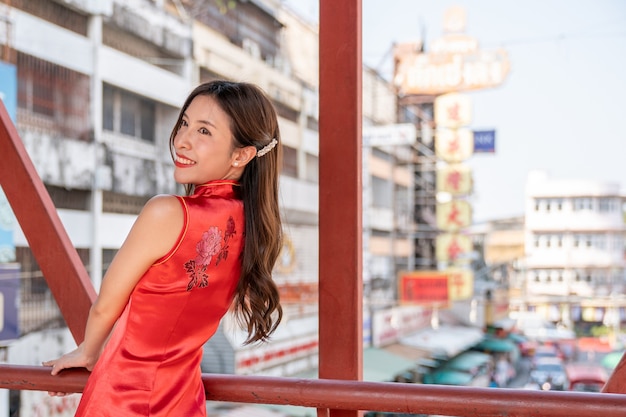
(241, 156)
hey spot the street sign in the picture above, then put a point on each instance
(390, 135)
(484, 141)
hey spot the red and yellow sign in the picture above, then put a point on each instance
(453, 110)
(452, 247)
(461, 284)
(423, 287)
(435, 287)
(454, 145)
(454, 215)
(455, 179)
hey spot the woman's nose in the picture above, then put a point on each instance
(181, 140)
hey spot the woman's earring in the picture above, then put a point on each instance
(236, 164)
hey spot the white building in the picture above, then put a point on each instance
(575, 267)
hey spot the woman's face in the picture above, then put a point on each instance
(204, 145)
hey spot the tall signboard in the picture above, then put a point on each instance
(454, 144)
(440, 73)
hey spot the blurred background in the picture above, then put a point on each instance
(493, 186)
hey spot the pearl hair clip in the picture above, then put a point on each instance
(266, 148)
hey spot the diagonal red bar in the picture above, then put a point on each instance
(66, 276)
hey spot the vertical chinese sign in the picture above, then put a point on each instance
(450, 65)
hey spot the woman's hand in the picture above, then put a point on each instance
(73, 359)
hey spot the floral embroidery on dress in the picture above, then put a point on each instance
(214, 244)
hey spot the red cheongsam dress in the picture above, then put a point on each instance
(151, 364)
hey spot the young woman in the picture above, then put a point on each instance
(187, 261)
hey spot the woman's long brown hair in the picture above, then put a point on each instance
(253, 123)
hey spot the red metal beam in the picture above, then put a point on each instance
(340, 194)
(66, 276)
(359, 395)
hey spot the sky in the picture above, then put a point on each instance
(561, 108)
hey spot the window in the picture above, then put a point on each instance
(559, 240)
(607, 205)
(129, 114)
(53, 98)
(312, 168)
(583, 203)
(290, 161)
(558, 204)
(381, 190)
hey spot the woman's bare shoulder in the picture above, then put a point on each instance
(163, 205)
(162, 215)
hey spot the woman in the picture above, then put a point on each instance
(187, 261)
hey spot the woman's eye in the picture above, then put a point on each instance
(204, 131)
(183, 123)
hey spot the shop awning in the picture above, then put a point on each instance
(382, 366)
(446, 340)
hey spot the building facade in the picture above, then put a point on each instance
(574, 241)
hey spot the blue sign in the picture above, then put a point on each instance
(8, 89)
(484, 141)
(9, 292)
(8, 96)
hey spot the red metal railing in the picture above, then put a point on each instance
(349, 396)
(339, 393)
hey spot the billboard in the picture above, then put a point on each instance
(389, 135)
(461, 283)
(454, 215)
(423, 287)
(455, 179)
(454, 62)
(435, 287)
(454, 145)
(453, 110)
(453, 247)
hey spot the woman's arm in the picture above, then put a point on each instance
(154, 233)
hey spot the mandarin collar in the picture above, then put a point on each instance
(217, 188)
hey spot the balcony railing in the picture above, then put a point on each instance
(325, 395)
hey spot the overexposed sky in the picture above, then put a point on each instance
(562, 107)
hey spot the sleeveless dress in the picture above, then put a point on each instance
(151, 364)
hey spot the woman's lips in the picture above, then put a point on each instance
(183, 162)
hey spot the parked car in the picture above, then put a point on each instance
(549, 373)
(587, 377)
(546, 351)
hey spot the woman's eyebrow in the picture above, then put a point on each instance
(207, 122)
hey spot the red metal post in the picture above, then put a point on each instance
(340, 194)
(66, 276)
